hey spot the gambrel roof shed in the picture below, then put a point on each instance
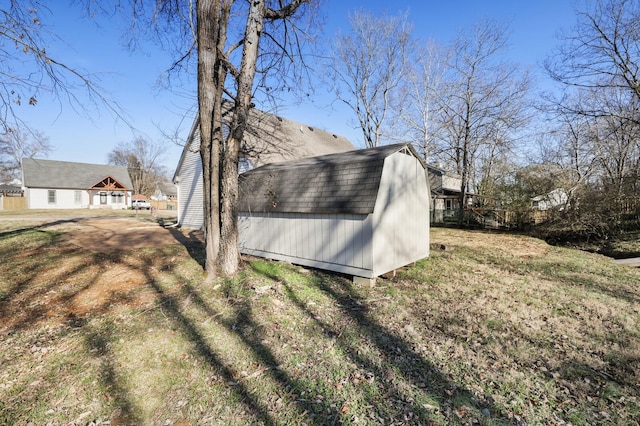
(362, 212)
(336, 183)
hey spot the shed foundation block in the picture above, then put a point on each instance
(371, 282)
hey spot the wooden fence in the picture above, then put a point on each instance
(164, 205)
(13, 203)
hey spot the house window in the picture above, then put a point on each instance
(117, 197)
(103, 198)
(77, 197)
(51, 196)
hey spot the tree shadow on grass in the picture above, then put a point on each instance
(393, 358)
(97, 342)
(20, 231)
(193, 242)
(54, 277)
(242, 323)
(396, 356)
(38, 309)
(206, 352)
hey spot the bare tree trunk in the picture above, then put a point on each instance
(208, 27)
(464, 180)
(229, 251)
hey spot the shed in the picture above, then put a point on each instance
(362, 213)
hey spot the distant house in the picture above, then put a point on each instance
(362, 213)
(556, 199)
(51, 184)
(7, 190)
(268, 139)
(445, 193)
(11, 197)
(165, 191)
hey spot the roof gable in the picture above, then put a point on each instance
(38, 173)
(343, 183)
(109, 184)
(269, 138)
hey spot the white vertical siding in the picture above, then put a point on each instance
(191, 189)
(335, 242)
(401, 214)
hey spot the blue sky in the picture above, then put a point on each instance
(130, 77)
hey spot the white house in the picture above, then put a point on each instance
(362, 213)
(268, 138)
(51, 184)
(445, 193)
(556, 199)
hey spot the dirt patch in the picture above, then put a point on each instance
(108, 235)
(96, 265)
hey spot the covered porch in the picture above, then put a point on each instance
(109, 193)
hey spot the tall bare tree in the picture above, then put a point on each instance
(142, 158)
(418, 108)
(240, 48)
(598, 65)
(269, 42)
(572, 151)
(368, 66)
(483, 105)
(16, 145)
(602, 50)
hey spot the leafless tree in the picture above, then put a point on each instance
(269, 43)
(241, 49)
(484, 101)
(418, 107)
(142, 158)
(27, 69)
(602, 48)
(598, 65)
(616, 142)
(368, 65)
(16, 145)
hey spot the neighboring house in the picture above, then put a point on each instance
(10, 190)
(64, 185)
(556, 199)
(165, 191)
(363, 213)
(268, 139)
(11, 197)
(445, 193)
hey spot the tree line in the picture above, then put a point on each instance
(466, 107)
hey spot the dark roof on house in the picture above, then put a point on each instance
(342, 183)
(39, 173)
(270, 138)
(9, 188)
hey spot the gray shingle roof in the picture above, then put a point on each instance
(39, 173)
(342, 183)
(270, 138)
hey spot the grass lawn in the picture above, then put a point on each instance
(491, 329)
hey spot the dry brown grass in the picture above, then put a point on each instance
(493, 329)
